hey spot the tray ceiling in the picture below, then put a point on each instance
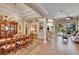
(21, 9)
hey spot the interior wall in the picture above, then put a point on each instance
(78, 23)
(28, 25)
(36, 23)
(20, 26)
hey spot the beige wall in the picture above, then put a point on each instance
(37, 25)
(28, 25)
(78, 23)
(20, 26)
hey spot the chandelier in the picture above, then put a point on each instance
(15, 14)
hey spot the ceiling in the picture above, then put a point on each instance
(53, 9)
(19, 9)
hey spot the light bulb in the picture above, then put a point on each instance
(67, 18)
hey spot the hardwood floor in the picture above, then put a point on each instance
(57, 46)
(28, 49)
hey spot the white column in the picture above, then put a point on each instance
(24, 26)
(44, 30)
(78, 23)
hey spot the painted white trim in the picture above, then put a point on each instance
(38, 9)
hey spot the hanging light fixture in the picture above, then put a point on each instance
(68, 17)
(14, 16)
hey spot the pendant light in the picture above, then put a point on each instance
(68, 17)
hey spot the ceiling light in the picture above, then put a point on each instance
(68, 18)
(49, 20)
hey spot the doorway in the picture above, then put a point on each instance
(26, 29)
